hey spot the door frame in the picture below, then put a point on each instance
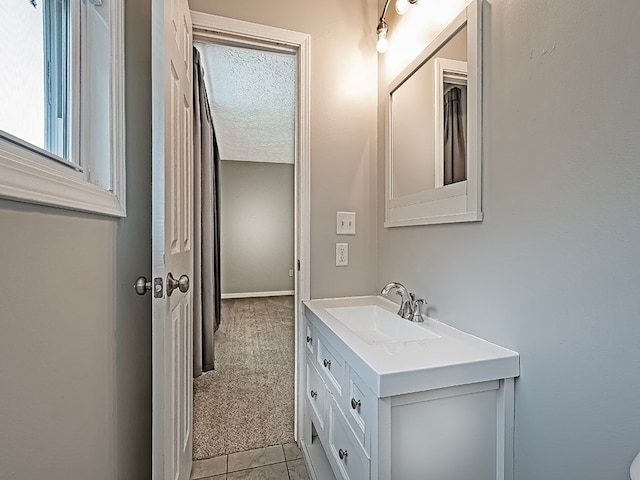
(208, 28)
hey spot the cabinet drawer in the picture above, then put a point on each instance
(331, 366)
(344, 449)
(310, 340)
(360, 406)
(317, 397)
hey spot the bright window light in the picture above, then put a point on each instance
(34, 86)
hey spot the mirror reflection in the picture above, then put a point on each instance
(429, 122)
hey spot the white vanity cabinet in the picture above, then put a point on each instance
(440, 408)
(344, 431)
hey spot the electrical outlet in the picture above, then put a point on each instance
(291, 272)
(342, 254)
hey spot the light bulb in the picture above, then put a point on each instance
(383, 43)
(402, 6)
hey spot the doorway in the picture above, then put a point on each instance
(274, 303)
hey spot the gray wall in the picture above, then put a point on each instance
(75, 339)
(553, 270)
(343, 127)
(256, 226)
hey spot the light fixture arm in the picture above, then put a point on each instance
(386, 7)
(384, 12)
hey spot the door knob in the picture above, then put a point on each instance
(142, 285)
(181, 284)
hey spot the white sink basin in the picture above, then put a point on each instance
(375, 325)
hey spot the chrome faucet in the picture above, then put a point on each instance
(409, 306)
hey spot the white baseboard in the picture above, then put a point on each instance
(257, 294)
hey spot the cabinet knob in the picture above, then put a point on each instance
(309, 339)
(355, 404)
(342, 453)
(314, 394)
(327, 363)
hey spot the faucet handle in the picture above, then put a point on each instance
(416, 316)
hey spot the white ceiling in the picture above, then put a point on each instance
(252, 98)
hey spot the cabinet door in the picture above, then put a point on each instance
(446, 434)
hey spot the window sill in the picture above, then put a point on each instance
(29, 180)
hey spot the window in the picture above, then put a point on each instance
(62, 103)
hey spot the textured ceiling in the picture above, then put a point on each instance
(252, 98)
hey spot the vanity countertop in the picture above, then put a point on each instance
(455, 358)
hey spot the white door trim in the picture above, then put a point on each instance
(207, 27)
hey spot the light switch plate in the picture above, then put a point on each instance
(346, 223)
(342, 254)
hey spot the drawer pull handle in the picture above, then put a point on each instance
(309, 339)
(342, 453)
(327, 363)
(355, 404)
(314, 394)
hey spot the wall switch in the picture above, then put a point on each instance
(291, 272)
(342, 254)
(346, 223)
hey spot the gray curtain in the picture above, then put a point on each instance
(455, 153)
(206, 292)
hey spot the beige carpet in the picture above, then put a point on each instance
(247, 401)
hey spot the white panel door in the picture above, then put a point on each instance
(172, 242)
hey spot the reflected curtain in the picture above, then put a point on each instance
(455, 153)
(206, 293)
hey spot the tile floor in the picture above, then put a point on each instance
(279, 462)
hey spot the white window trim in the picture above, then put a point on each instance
(32, 177)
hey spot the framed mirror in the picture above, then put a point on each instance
(433, 130)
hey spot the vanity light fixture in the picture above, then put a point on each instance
(402, 6)
(382, 43)
(381, 31)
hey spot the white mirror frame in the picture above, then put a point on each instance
(458, 202)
